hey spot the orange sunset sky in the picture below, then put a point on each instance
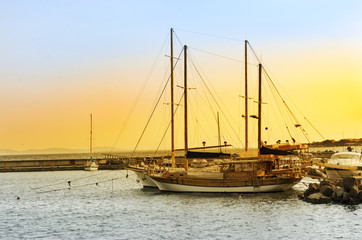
(62, 60)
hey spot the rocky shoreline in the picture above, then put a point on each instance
(346, 191)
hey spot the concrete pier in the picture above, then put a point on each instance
(41, 165)
(25, 165)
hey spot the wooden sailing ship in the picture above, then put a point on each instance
(262, 173)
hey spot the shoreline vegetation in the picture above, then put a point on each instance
(338, 143)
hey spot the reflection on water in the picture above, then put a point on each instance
(97, 207)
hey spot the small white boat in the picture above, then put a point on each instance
(91, 165)
(346, 158)
(344, 164)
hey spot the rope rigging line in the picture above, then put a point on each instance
(154, 109)
(199, 74)
(287, 107)
(127, 118)
(195, 111)
(255, 55)
(149, 119)
(83, 185)
(169, 124)
(290, 135)
(314, 127)
(79, 186)
(209, 102)
(278, 107)
(222, 104)
(218, 55)
(302, 129)
(276, 103)
(54, 184)
(284, 102)
(139, 93)
(208, 89)
(205, 83)
(178, 39)
(238, 139)
(296, 106)
(221, 56)
(202, 113)
(211, 35)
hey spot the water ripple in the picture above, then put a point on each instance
(90, 211)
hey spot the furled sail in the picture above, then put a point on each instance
(206, 154)
(266, 151)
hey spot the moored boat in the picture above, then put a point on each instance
(343, 164)
(91, 165)
(254, 175)
(271, 170)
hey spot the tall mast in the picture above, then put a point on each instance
(172, 107)
(218, 131)
(91, 137)
(246, 95)
(185, 115)
(259, 110)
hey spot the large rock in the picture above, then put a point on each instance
(337, 194)
(339, 183)
(346, 191)
(313, 188)
(348, 183)
(326, 190)
(354, 193)
(317, 198)
(346, 198)
(326, 182)
(339, 191)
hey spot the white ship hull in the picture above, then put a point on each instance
(173, 187)
(145, 180)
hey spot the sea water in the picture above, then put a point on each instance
(112, 205)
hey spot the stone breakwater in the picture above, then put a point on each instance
(346, 191)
